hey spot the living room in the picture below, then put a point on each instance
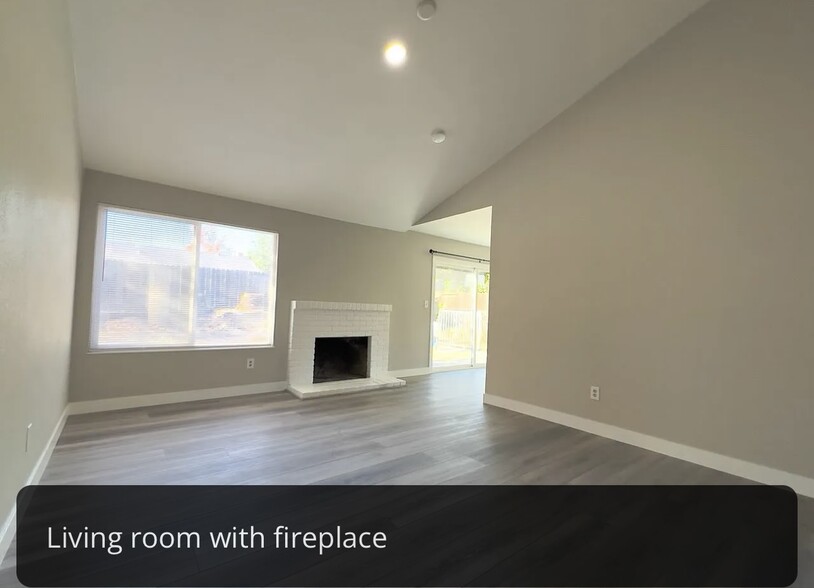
(407, 243)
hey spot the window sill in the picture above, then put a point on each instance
(170, 349)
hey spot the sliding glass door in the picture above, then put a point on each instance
(460, 313)
(481, 315)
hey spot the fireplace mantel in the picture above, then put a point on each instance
(359, 306)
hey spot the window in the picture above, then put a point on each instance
(167, 282)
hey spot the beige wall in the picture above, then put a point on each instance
(665, 226)
(319, 259)
(39, 208)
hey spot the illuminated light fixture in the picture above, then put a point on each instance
(438, 136)
(395, 53)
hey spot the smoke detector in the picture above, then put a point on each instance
(426, 9)
(438, 136)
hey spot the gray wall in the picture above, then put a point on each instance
(656, 239)
(39, 207)
(319, 259)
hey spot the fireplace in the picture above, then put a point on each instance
(339, 348)
(341, 358)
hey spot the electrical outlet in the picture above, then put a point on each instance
(250, 363)
(594, 392)
(28, 435)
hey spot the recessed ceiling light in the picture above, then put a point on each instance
(438, 136)
(395, 53)
(426, 9)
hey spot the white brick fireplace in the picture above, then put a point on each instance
(311, 320)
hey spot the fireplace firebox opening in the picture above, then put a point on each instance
(341, 358)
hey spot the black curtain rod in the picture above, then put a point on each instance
(435, 252)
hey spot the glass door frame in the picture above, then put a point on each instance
(475, 267)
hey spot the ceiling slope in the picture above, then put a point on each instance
(288, 103)
(473, 227)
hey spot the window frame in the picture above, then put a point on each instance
(98, 271)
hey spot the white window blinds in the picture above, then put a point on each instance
(163, 282)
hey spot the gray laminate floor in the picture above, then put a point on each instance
(433, 431)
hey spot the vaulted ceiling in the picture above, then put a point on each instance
(289, 103)
(474, 227)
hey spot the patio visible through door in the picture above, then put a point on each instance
(460, 312)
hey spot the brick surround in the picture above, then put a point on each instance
(310, 320)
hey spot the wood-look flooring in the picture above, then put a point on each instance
(435, 430)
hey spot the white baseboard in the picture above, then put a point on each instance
(8, 527)
(423, 371)
(716, 461)
(106, 404)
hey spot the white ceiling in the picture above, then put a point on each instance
(470, 227)
(288, 102)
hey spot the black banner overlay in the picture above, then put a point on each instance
(406, 536)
